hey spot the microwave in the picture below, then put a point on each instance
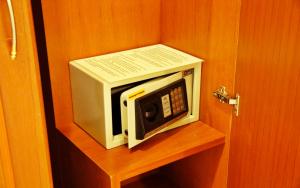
(130, 96)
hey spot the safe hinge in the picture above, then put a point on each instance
(222, 95)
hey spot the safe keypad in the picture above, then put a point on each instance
(177, 100)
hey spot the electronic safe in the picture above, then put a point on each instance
(130, 96)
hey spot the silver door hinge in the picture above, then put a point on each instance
(222, 95)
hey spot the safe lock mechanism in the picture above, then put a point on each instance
(222, 95)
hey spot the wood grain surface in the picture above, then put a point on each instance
(265, 142)
(5, 32)
(151, 180)
(78, 29)
(121, 163)
(77, 169)
(208, 29)
(6, 169)
(22, 103)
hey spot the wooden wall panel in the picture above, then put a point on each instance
(76, 29)
(185, 25)
(265, 142)
(208, 29)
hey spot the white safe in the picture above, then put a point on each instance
(130, 96)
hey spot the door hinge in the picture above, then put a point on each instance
(222, 95)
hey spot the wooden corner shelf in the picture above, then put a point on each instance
(122, 163)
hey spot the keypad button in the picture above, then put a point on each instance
(177, 100)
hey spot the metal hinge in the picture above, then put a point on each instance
(222, 95)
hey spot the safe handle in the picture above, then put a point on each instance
(13, 52)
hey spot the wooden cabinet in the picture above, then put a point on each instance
(208, 29)
(265, 143)
(75, 30)
(24, 155)
(248, 46)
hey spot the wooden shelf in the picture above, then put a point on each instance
(121, 163)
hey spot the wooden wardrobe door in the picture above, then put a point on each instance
(6, 171)
(24, 147)
(265, 140)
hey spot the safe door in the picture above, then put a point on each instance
(155, 106)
